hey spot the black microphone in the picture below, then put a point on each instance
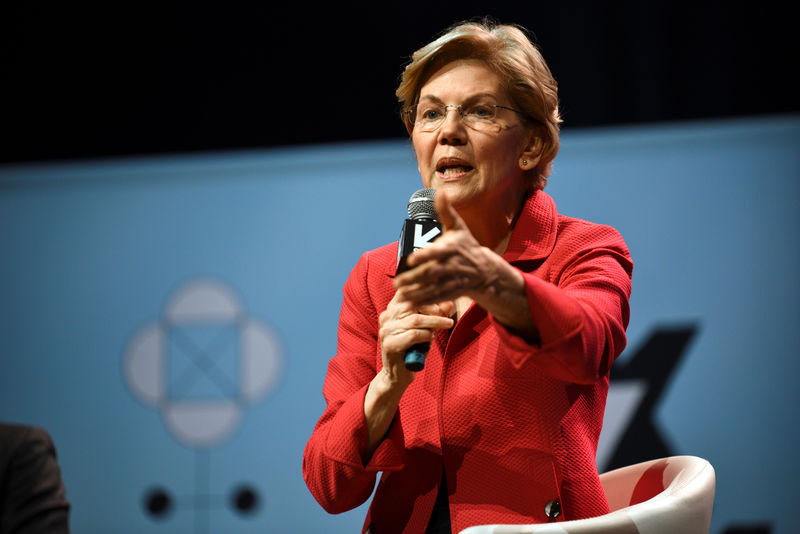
(419, 231)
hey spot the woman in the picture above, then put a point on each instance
(525, 310)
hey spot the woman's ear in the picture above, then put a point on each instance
(532, 152)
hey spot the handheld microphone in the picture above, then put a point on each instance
(419, 231)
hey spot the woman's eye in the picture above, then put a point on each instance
(481, 111)
(431, 114)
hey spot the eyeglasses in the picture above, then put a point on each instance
(429, 116)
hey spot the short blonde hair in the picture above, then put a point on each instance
(517, 61)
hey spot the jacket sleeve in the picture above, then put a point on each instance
(333, 467)
(580, 309)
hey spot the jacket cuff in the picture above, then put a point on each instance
(557, 318)
(556, 315)
(347, 438)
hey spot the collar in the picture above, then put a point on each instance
(534, 234)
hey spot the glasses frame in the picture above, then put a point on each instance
(411, 113)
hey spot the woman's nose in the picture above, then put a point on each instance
(452, 130)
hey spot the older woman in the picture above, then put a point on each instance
(525, 310)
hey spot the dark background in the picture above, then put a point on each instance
(124, 79)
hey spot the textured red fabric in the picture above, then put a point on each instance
(513, 425)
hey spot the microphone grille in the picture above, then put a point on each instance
(420, 205)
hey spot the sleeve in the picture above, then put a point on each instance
(333, 467)
(34, 497)
(581, 313)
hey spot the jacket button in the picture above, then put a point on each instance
(552, 509)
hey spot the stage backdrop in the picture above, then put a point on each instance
(169, 319)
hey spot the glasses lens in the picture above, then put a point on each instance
(428, 116)
(480, 116)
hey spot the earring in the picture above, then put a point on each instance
(524, 162)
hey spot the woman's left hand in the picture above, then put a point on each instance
(455, 265)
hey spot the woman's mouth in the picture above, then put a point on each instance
(452, 168)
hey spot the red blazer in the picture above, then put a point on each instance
(513, 425)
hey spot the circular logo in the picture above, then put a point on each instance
(202, 362)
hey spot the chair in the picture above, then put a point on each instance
(664, 496)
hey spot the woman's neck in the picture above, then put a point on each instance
(492, 225)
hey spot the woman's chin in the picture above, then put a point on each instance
(454, 187)
(460, 197)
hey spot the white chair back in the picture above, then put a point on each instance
(663, 496)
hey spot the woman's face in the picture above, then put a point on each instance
(477, 166)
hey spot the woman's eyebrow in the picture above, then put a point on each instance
(479, 96)
(471, 98)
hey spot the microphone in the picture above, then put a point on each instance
(419, 231)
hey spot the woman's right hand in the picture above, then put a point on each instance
(401, 326)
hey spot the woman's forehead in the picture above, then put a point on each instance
(463, 78)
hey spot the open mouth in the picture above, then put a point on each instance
(452, 167)
(445, 171)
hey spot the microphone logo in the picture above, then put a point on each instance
(423, 240)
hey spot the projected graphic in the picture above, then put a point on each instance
(200, 365)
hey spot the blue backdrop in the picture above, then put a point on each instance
(169, 319)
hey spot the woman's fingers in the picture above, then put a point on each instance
(402, 325)
(455, 265)
(445, 290)
(442, 309)
(447, 279)
(414, 328)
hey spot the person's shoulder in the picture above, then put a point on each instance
(579, 238)
(22, 444)
(381, 260)
(581, 230)
(371, 279)
(30, 476)
(13, 435)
